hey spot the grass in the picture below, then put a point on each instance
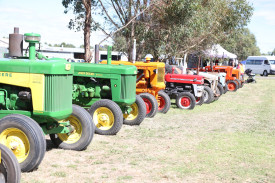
(230, 140)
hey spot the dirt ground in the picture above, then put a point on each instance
(229, 140)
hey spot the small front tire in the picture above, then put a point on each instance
(151, 104)
(137, 114)
(208, 95)
(164, 102)
(25, 138)
(82, 135)
(185, 100)
(232, 85)
(107, 117)
(9, 167)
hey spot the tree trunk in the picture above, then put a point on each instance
(87, 30)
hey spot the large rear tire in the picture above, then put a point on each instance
(232, 85)
(25, 138)
(208, 95)
(137, 114)
(151, 104)
(164, 102)
(107, 117)
(82, 135)
(9, 167)
(185, 100)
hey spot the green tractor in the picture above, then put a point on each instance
(109, 94)
(35, 100)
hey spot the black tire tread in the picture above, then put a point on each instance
(210, 94)
(141, 113)
(167, 102)
(154, 103)
(88, 129)
(116, 112)
(12, 167)
(189, 95)
(35, 136)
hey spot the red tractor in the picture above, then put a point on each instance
(186, 89)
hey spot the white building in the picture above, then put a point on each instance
(70, 54)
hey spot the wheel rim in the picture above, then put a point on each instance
(231, 86)
(162, 102)
(185, 102)
(104, 118)
(75, 135)
(134, 113)
(148, 105)
(17, 141)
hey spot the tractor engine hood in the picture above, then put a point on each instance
(184, 78)
(93, 69)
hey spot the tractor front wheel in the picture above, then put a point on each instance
(137, 114)
(185, 100)
(232, 85)
(164, 102)
(82, 134)
(25, 138)
(208, 95)
(151, 104)
(9, 166)
(239, 83)
(219, 92)
(107, 117)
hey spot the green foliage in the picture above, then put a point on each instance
(242, 43)
(78, 9)
(65, 45)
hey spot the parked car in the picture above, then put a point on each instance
(262, 65)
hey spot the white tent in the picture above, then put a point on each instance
(218, 51)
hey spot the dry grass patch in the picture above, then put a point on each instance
(230, 140)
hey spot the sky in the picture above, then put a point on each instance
(48, 19)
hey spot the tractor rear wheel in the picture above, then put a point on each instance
(164, 102)
(151, 104)
(9, 166)
(82, 134)
(137, 114)
(232, 85)
(25, 138)
(107, 117)
(185, 100)
(200, 100)
(208, 95)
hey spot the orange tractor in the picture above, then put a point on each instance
(232, 76)
(237, 74)
(149, 83)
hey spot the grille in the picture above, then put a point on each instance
(161, 73)
(58, 92)
(128, 86)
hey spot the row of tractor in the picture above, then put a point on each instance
(71, 101)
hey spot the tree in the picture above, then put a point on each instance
(167, 27)
(242, 43)
(83, 20)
